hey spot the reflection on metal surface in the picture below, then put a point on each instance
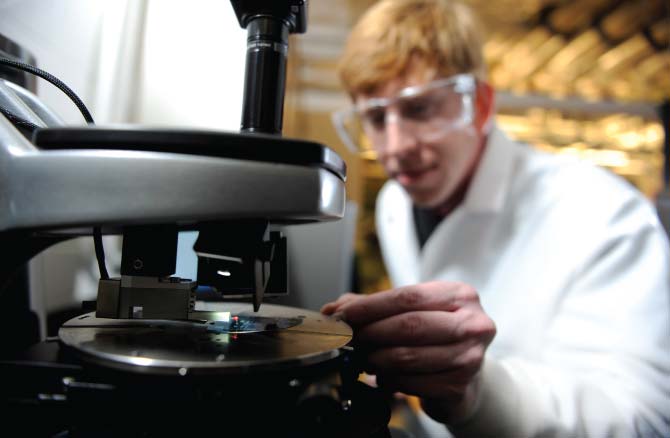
(277, 337)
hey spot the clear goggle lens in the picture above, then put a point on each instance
(427, 112)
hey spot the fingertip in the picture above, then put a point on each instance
(333, 306)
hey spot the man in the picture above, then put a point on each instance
(531, 292)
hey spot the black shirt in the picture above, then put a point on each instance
(425, 221)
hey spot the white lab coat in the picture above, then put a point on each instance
(573, 266)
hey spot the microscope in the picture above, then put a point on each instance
(148, 357)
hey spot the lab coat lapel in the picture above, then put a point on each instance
(460, 243)
(398, 240)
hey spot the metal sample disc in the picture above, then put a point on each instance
(227, 338)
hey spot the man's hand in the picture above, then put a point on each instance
(427, 340)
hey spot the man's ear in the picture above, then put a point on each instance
(484, 107)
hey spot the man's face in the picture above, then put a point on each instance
(428, 152)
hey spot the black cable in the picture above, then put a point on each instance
(18, 121)
(53, 80)
(100, 252)
(97, 232)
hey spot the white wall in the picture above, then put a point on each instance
(193, 65)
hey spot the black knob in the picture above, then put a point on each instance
(320, 410)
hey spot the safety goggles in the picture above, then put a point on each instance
(428, 112)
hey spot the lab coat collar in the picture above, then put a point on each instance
(490, 183)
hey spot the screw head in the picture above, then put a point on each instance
(138, 264)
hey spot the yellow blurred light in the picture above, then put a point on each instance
(653, 133)
(629, 140)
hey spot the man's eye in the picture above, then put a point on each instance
(375, 118)
(418, 109)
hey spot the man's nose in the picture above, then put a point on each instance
(400, 140)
